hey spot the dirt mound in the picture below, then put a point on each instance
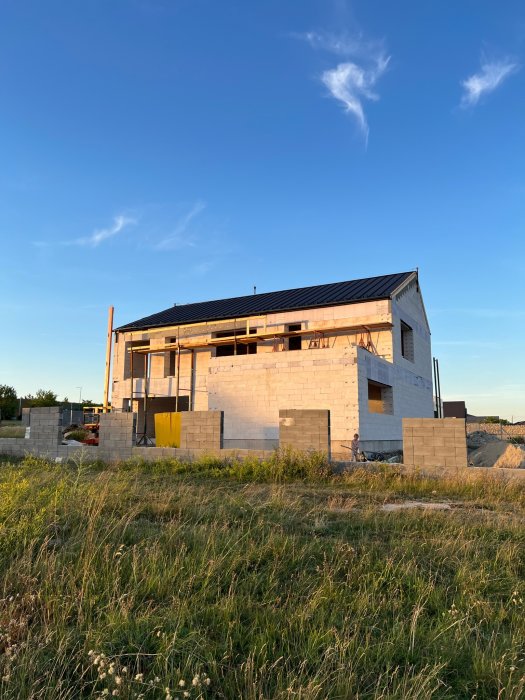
(479, 438)
(497, 453)
(512, 458)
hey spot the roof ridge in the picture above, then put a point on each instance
(293, 289)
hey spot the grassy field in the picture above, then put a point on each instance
(243, 581)
(13, 430)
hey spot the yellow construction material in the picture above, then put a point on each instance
(167, 429)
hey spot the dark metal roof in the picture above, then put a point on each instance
(369, 289)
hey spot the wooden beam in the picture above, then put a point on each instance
(269, 335)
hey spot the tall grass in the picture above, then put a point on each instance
(12, 431)
(274, 582)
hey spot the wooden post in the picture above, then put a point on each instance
(177, 379)
(192, 372)
(131, 373)
(108, 359)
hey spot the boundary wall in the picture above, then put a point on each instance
(201, 434)
(305, 430)
(433, 447)
(434, 442)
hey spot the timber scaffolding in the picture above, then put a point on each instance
(318, 340)
(316, 333)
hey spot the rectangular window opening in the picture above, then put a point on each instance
(170, 359)
(407, 342)
(295, 341)
(380, 398)
(139, 360)
(235, 348)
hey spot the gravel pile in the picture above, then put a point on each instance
(480, 438)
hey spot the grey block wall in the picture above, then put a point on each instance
(435, 442)
(305, 429)
(45, 435)
(116, 436)
(201, 430)
(46, 427)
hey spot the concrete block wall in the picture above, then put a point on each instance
(434, 442)
(252, 389)
(305, 429)
(412, 394)
(116, 436)
(201, 430)
(46, 427)
(44, 438)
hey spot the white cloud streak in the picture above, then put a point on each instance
(178, 238)
(491, 76)
(341, 45)
(98, 236)
(351, 81)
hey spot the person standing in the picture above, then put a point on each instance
(355, 448)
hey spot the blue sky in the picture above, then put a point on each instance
(161, 151)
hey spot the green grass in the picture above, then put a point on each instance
(12, 431)
(272, 581)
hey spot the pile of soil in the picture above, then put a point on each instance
(479, 438)
(498, 453)
(512, 458)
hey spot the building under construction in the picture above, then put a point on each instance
(360, 349)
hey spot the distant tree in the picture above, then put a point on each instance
(43, 397)
(8, 401)
(491, 419)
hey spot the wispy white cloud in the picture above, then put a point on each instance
(352, 81)
(491, 76)
(179, 237)
(98, 236)
(339, 44)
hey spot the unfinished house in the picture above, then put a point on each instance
(360, 349)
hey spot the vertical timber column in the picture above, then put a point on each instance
(108, 359)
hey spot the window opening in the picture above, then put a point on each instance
(407, 342)
(295, 342)
(380, 398)
(139, 360)
(234, 348)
